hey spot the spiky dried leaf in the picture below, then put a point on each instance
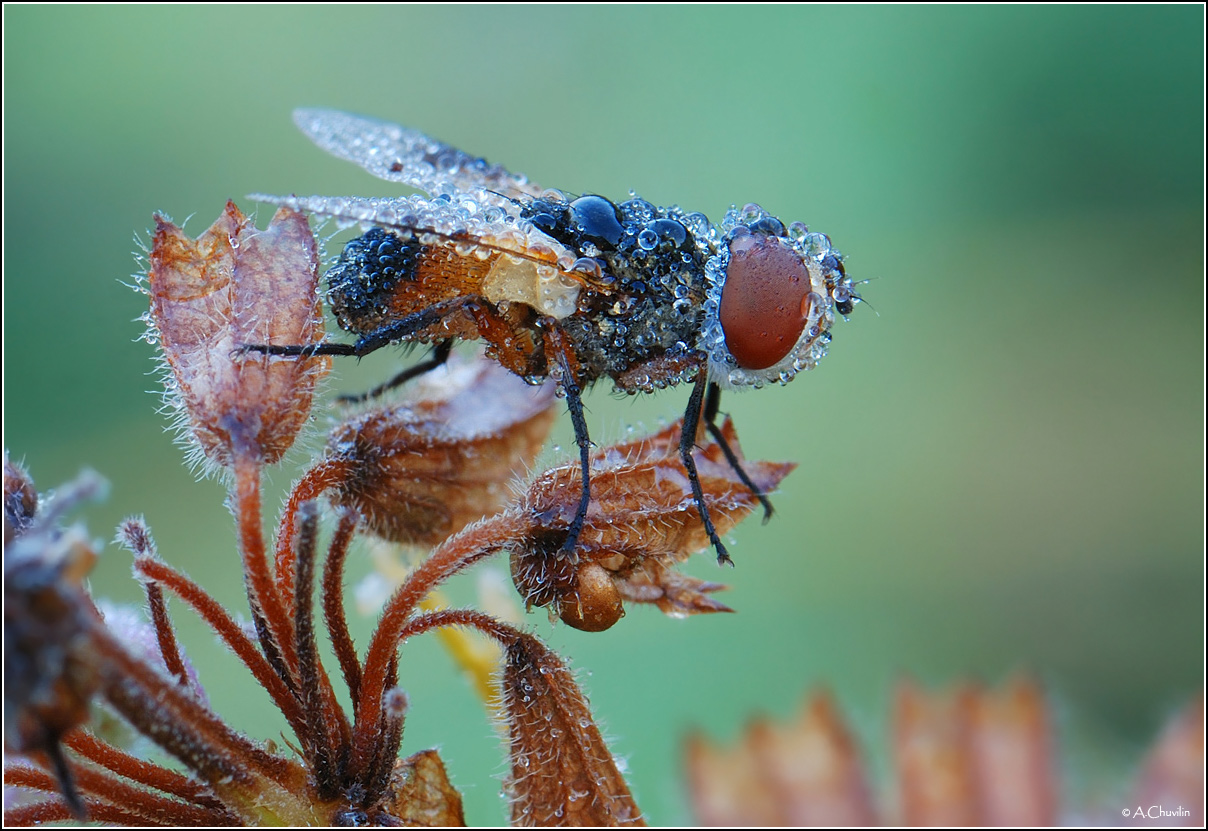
(233, 286)
(642, 520)
(974, 757)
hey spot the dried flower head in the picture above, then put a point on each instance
(641, 522)
(50, 669)
(422, 470)
(231, 286)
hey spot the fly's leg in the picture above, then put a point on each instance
(400, 330)
(687, 443)
(712, 402)
(440, 354)
(568, 381)
(574, 403)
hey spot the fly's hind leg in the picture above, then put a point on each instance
(403, 329)
(398, 331)
(712, 402)
(687, 443)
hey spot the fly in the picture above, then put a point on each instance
(577, 288)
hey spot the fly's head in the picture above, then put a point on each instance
(773, 296)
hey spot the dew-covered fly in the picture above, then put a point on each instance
(578, 288)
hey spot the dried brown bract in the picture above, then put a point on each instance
(562, 772)
(967, 756)
(234, 285)
(642, 521)
(422, 470)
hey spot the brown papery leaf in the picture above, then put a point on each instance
(234, 286)
(803, 773)
(421, 795)
(1170, 788)
(562, 772)
(641, 521)
(420, 471)
(974, 757)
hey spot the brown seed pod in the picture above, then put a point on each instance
(595, 603)
(231, 286)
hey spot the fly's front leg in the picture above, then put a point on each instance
(568, 381)
(712, 403)
(687, 444)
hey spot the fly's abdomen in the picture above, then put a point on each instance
(362, 287)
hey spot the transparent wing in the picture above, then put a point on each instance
(462, 225)
(399, 154)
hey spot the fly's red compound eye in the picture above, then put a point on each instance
(765, 302)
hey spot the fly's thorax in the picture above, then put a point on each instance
(772, 299)
(644, 267)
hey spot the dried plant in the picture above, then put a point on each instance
(968, 756)
(434, 472)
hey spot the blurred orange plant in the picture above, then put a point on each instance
(968, 756)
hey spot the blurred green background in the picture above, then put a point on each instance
(1001, 467)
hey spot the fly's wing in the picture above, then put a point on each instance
(399, 154)
(475, 206)
(460, 225)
